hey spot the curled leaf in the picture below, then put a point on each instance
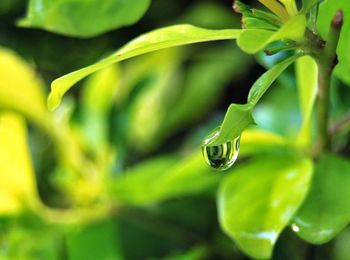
(155, 40)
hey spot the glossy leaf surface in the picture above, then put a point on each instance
(308, 4)
(155, 40)
(326, 13)
(264, 81)
(255, 40)
(326, 210)
(81, 18)
(257, 201)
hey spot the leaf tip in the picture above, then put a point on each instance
(54, 98)
(337, 20)
(23, 22)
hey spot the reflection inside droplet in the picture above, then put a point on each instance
(220, 157)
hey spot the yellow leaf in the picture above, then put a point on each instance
(255, 140)
(290, 6)
(20, 89)
(17, 184)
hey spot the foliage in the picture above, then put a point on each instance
(82, 18)
(116, 164)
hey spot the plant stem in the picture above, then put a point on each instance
(324, 76)
(326, 61)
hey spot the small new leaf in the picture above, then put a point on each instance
(255, 40)
(237, 118)
(256, 19)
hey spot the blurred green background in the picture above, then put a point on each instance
(135, 131)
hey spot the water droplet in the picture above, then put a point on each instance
(295, 228)
(220, 157)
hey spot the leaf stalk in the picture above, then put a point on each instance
(326, 61)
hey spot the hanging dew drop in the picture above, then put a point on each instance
(223, 156)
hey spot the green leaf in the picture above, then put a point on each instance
(308, 4)
(30, 238)
(81, 18)
(290, 6)
(267, 16)
(99, 90)
(163, 178)
(155, 100)
(307, 83)
(256, 23)
(96, 101)
(307, 88)
(237, 118)
(254, 40)
(326, 210)
(155, 40)
(144, 172)
(264, 81)
(326, 13)
(257, 19)
(98, 241)
(257, 201)
(190, 176)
